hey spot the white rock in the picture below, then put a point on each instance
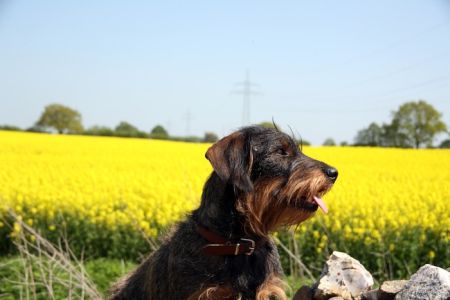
(343, 276)
(429, 282)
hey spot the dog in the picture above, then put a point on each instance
(261, 181)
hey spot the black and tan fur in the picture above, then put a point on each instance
(261, 181)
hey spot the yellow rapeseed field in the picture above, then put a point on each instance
(386, 202)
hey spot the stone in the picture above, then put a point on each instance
(389, 289)
(336, 298)
(429, 282)
(304, 293)
(343, 276)
(370, 295)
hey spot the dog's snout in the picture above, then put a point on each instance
(332, 173)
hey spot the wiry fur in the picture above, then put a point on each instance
(271, 206)
(261, 181)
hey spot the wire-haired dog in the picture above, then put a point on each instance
(261, 181)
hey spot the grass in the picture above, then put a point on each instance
(13, 284)
(103, 272)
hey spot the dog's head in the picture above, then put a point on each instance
(275, 183)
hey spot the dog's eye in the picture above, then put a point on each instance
(282, 151)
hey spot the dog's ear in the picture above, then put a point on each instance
(232, 159)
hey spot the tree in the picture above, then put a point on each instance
(36, 128)
(125, 129)
(10, 128)
(159, 132)
(392, 136)
(370, 136)
(419, 122)
(210, 137)
(61, 118)
(445, 144)
(303, 142)
(99, 130)
(329, 142)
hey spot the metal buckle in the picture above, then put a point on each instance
(236, 249)
(251, 249)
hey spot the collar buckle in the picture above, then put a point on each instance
(251, 248)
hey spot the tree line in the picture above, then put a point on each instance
(65, 120)
(414, 125)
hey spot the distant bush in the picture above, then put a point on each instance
(160, 133)
(99, 130)
(329, 142)
(125, 129)
(445, 144)
(304, 143)
(266, 124)
(10, 128)
(210, 137)
(189, 139)
(37, 128)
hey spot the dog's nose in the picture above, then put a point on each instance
(332, 173)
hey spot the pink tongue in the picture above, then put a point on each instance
(321, 204)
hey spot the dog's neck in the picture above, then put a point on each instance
(217, 210)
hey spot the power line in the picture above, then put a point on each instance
(375, 52)
(401, 42)
(376, 102)
(377, 97)
(420, 84)
(401, 70)
(246, 90)
(188, 118)
(390, 73)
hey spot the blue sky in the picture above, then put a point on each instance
(324, 68)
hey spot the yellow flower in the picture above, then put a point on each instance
(147, 185)
(391, 247)
(431, 255)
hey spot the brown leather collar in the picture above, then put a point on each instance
(221, 246)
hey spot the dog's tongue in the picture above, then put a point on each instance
(321, 204)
